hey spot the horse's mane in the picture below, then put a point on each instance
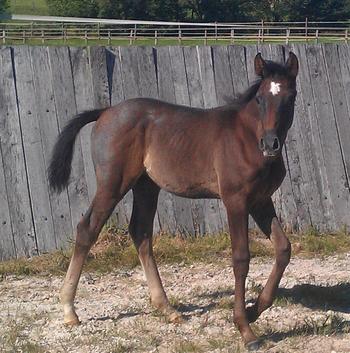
(271, 69)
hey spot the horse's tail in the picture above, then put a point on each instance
(61, 159)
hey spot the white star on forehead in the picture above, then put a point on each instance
(275, 88)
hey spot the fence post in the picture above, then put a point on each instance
(42, 36)
(306, 28)
(98, 31)
(155, 37)
(205, 37)
(346, 35)
(232, 36)
(86, 37)
(179, 36)
(109, 37)
(24, 37)
(130, 37)
(316, 36)
(262, 31)
(216, 32)
(4, 36)
(64, 35)
(287, 35)
(259, 36)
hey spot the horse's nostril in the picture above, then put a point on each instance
(276, 144)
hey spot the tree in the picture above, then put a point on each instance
(316, 10)
(3, 6)
(73, 8)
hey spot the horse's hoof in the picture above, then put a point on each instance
(175, 317)
(72, 322)
(253, 345)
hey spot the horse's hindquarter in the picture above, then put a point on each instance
(179, 147)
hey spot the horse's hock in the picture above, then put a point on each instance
(43, 87)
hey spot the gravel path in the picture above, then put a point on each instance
(116, 315)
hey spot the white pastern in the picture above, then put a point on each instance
(275, 88)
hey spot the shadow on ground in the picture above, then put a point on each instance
(336, 298)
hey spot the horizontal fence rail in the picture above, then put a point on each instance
(43, 87)
(45, 29)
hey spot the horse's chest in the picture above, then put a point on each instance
(266, 182)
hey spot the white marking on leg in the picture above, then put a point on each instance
(275, 88)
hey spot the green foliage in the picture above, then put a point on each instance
(189, 10)
(3, 6)
(315, 10)
(73, 8)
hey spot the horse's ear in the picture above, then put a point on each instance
(292, 65)
(259, 64)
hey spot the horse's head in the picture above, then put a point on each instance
(274, 102)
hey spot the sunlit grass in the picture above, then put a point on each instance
(115, 249)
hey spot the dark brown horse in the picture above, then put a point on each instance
(231, 152)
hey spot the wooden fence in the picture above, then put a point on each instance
(48, 29)
(43, 87)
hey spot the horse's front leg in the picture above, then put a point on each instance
(238, 224)
(265, 216)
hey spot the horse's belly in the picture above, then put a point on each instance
(182, 179)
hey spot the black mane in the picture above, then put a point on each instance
(271, 69)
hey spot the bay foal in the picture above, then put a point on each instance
(231, 152)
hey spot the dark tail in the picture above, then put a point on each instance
(61, 160)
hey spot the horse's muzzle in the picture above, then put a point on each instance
(269, 144)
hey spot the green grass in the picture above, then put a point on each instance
(115, 250)
(29, 7)
(151, 42)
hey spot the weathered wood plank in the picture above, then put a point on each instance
(130, 72)
(46, 115)
(339, 100)
(183, 210)
(148, 87)
(33, 151)
(222, 73)
(84, 97)
(14, 162)
(121, 212)
(329, 143)
(63, 90)
(131, 86)
(213, 208)
(311, 161)
(7, 245)
(238, 68)
(115, 75)
(166, 92)
(206, 213)
(250, 53)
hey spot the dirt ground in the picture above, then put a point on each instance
(311, 313)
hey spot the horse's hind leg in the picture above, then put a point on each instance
(265, 217)
(145, 194)
(88, 230)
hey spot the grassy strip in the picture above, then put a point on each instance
(151, 42)
(115, 250)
